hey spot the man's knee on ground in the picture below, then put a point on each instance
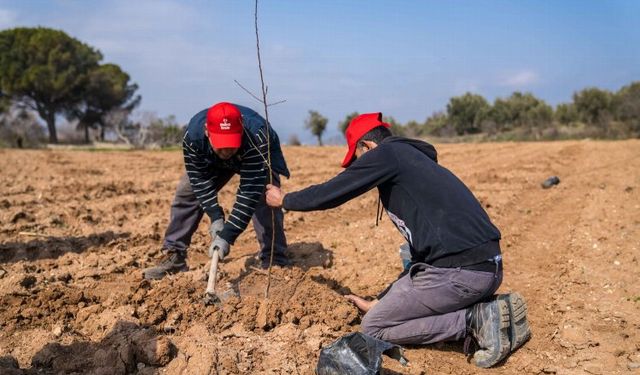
(373, 330)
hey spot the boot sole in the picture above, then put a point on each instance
(152, 276)
(519, 331)
(503, 336)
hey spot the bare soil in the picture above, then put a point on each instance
(77, 228)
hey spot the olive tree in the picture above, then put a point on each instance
(317, 124)
(466, 112)
(344, 124)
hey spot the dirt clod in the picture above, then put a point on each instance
(57, 331)
(22, 215)
(28, 282)
(151, 350)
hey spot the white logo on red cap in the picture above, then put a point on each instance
(225, 124)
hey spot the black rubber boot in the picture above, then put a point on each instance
(170, 263)
(488, 325)
(519, 331)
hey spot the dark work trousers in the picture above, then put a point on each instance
(428, 304)
(186, 214)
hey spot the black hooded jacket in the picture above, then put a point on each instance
(436, 213)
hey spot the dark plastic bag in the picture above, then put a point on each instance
(357, 354)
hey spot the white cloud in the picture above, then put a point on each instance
(522, 78)
(7, 19)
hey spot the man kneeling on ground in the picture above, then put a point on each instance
(447, 291)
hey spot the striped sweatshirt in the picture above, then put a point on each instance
(204, 169)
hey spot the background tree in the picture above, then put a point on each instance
(44, 69)
(162, 132)
(520, 111)
(5, 103)
(413, 129)
(565, 113)
(317, 124)
(395, 127)
(466, 112)
(628, 106)
(342, 125)
(118, 120)
(107, 89)
(593, 105)
(20, 128)
(438, 124)
(502, 114)
(147, 130)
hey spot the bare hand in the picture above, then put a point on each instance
(274, 196)
(361, 303)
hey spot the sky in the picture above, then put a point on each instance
(403, 58)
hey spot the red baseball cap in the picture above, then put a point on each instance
(224, 124)
(358, 127)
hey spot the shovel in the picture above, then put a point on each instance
(210, 297)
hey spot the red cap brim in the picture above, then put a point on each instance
(348, 159)
(233, 140)
(357, 128)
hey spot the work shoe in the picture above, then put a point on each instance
(488, 325)
(171, 262)
(519, 331)
(277, 261)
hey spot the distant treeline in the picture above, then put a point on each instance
(593, 113)
(48, 74)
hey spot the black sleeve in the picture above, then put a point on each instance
(370, 170)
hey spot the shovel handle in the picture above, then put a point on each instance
(213, 272)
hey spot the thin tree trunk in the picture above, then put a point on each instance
(319, 140)
(86, 133)
(50, 118)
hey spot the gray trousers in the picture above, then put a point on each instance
(428, 304)
(186, 214)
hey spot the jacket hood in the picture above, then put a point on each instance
(422, 146)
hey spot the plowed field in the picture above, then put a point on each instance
(77, 228)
